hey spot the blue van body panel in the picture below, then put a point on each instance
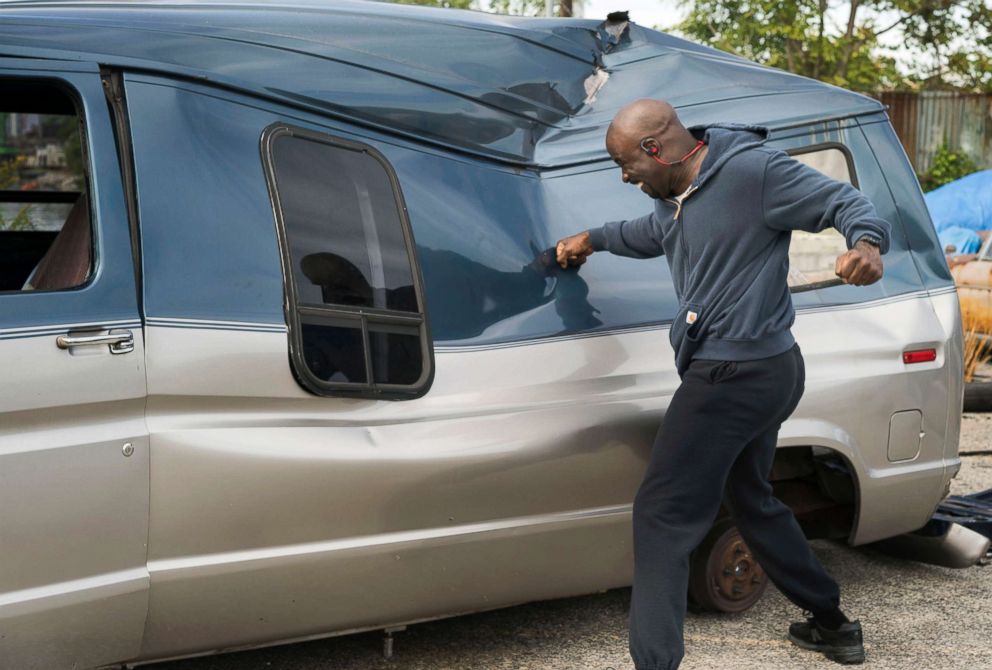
(498, 153)
(201, 187)
(520, 91)
(480, 227)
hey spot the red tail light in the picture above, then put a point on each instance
(919, 356)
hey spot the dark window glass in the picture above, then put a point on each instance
(396, 356)
(334, 354)
(343, 224)
(358, 327)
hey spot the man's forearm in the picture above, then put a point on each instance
(797, 197)
(634, 238)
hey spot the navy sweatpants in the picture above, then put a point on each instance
(716, 444)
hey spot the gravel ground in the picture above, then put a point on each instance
(916, 617)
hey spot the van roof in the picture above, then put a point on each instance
(532, 92)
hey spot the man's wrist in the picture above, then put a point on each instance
(870, 240)
(597, 238)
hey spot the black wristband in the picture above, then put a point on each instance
(870, 239)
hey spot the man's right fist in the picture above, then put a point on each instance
(573, 250)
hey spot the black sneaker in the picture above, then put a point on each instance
(844, 645)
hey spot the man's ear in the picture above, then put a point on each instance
(650, 146)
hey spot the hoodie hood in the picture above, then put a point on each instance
(725, 140)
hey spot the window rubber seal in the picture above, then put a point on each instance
(822, 146)
(368, 389)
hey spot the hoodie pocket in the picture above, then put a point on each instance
(686, 333)
(687, 323)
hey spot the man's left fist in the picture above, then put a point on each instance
(861, 265)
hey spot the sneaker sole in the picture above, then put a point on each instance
(842, 655)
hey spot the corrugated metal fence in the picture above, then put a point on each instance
(923, 121)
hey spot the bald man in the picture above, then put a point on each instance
(725, 206)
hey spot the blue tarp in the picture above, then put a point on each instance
(964, 240)
(960, 208)
(966, 203)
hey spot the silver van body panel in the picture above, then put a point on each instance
(75, 509)
(947, 309)
(73, 506)
(276, 515)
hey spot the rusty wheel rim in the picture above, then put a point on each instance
(735, 579)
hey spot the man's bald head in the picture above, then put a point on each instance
(646, 139)
(644, 118)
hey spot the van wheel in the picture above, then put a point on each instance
(724, 576)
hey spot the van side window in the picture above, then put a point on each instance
(45, 231)
(812, 256)
(356, 315)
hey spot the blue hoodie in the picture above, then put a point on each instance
(727, 244)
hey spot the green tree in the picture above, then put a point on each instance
(519, 7)
(947, 166)
(839, 42)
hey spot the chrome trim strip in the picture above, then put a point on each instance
(395, 538)
(111, 583)
(170, 322)
(175, 322)
(449, 348)
(665, 325)
(57, 329)
(888, 300)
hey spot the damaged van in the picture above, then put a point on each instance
(285, 354)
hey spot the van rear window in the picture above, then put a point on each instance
(813, 256)
(356, 315)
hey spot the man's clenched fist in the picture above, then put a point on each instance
(861, 265)
(573, 250)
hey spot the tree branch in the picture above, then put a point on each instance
(852, 18)
(897, 23)
(819, 41)
(849, 43)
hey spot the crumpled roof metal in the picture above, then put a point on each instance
(504, 88)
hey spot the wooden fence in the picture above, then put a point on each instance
(925, 120)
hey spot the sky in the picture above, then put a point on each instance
(649, 13)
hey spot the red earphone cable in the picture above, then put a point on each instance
(654, 150)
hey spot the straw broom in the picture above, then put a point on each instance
(977, 344)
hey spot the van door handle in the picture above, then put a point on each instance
(120, 341)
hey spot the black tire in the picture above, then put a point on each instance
(978, 396)
(723, 574)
